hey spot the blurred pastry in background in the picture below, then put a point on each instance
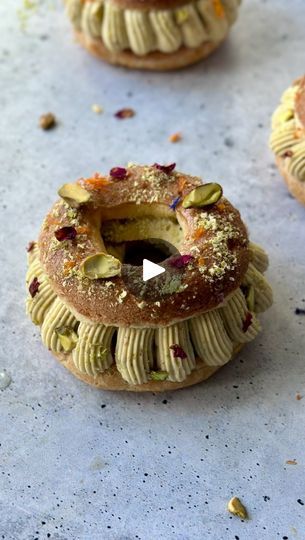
(288, 138)
(152, 34)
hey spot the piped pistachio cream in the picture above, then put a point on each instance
(287, 139)
(149, 354)
(147, 31)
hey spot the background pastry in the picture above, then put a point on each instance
(288, 138)
(152, 34)
(115, 331)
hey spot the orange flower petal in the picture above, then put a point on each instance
(68, 265)
(298, 133)
(198, 233)
(82, 230)
(175, 137)
(97, 181)
(181, 183)
(218, 8)
(221, 206)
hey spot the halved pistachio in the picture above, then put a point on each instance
(100, 265)
(158, 375)
(204, 195)
(74, 194)
(236, 508)
(250, 298)
(285, 115)
(67, 337)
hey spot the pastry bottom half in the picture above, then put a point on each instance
(112, 380)
(154, 61)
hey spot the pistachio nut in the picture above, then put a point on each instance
(236, 508)
(204, 195)
(100, 352)
(158, 375)
(74, 194)
(285, 115)
(67, 337)
(182, 15)
(250, 298)
(100, 265)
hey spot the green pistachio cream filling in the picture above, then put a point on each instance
(143, 32)
(156, 353)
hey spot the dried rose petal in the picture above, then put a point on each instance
(34, 287)
(30, 246)
(65, 233)
(181, 261)
(247, 322)
(178, 352)
(118, 172)
(175, 202)
(288, 153)
(167, 169)
(125, 113)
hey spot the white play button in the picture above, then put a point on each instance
(151, 270)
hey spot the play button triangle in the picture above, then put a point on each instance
(151, 270)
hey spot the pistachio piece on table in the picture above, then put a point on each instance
(74, 194)
(236, 508)
(159, 375)
(250, 298)
(47, 121)
(204, 195)
(100, 265)
(67, 337)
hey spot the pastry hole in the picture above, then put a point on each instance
(132, 240)
(155, 250)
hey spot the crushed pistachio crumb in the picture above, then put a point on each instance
(171, 286)
(159, 375)
(97, 109)
(31, 7)
(182, 15)
(98, 351)
(121, 297)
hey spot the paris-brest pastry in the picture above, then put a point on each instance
(288, 138)
(106, 324)
(152, 34)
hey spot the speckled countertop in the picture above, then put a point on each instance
(77, 463)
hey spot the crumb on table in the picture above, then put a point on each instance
(47, 121)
